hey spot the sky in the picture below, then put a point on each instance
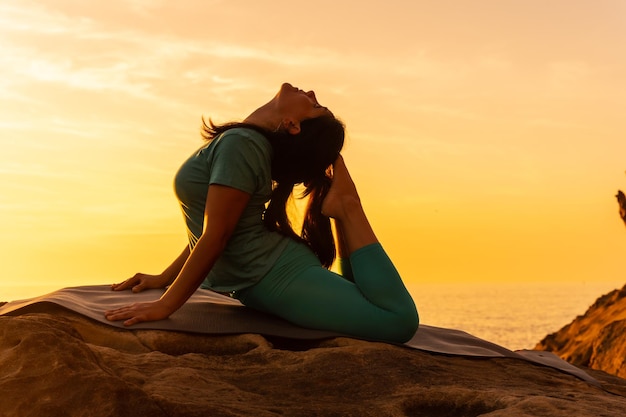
(487, 138)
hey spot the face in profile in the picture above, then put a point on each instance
(297, 105)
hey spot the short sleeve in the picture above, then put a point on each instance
(240, 161)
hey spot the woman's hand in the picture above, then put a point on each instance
(142, 282)
(138, 312)
(223, 209)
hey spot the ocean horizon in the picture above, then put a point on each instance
(512, 315)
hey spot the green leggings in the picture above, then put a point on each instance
(375, 306)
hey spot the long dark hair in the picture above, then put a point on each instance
(303, 158)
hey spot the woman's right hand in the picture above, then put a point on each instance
(142, 282)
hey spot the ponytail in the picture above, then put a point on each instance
(316, 228)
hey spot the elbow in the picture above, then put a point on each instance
(222, 240)
(217, 239)
(212, 244)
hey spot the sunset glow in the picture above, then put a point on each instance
(487, 142)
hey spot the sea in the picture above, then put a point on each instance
(513, 315)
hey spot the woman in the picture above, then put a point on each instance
(238, 246)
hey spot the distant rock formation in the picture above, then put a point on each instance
(597, 339)
(621, 199)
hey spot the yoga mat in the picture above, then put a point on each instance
(211, 313)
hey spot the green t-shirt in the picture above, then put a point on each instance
(238, 158)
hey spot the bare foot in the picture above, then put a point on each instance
(342, 194)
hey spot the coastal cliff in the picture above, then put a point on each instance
(596, 339)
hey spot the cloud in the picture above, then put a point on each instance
(79, 52)
(22, 17)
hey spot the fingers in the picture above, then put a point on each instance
(127, 313)
(135, 283)
(123, 285)
(139, 287)
(132, 321)
(117, 314)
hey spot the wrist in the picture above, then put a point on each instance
(167, 305)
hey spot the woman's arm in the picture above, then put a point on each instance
(223, 209)
(224, 206)
(141, 281)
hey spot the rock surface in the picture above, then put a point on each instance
(596, 339)
(61, 364)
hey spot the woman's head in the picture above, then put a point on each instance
(306, 136)
(306, 139)
(290, 106)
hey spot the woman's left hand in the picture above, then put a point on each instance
(138, 312)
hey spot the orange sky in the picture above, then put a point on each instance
(487, 142)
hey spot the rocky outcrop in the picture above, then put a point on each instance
(621, 200)
(596, 339)
(57, 363)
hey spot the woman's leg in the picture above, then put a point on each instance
(306, 294)
(376, 306)
(377, 278)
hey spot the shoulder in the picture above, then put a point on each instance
(242, 140)
(244, 134)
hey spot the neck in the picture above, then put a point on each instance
(264, 117)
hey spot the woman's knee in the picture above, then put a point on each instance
(406, 324)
